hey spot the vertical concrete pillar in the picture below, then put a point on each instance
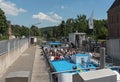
(18, 76)
(19, 53)
(8, 57)
(102, 57)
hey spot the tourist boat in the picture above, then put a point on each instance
(65, 61)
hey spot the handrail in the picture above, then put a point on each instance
(73, 70)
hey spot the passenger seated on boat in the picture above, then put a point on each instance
(66, 45)
(61, 50)
(90, 54)
(50, 53)
(68, 57)
(62, 57)
(55, 50)
(52, 58)
(46, 50)
(57, 57)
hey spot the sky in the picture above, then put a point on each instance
(44, 13)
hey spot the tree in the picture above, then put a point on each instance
(35, 31)
(16, 29)
(69, 25)
(24, 31)
(81, 23)
(3, 24)
(62, 29)
(100, 29)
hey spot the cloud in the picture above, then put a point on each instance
(56, 16)
(10, 8)
(62, 7)
(52, 17)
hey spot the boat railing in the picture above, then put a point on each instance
(69, 71)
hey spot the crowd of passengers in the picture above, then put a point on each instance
(59, 53)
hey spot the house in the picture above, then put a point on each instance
(113, 40)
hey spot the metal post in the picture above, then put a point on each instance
(51, 79)
(102, 57)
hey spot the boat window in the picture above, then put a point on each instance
(82, 61)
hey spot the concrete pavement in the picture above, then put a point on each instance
(32, 61)
(40, 69)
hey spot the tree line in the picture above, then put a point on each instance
(17, 30)
(80, 24)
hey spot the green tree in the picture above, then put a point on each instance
(35, 30)
(3, 24)
(62, 29)
(16, 30)
(81, 23)
(100, 27)
(69, 25)
(19, 31)
(24, 31)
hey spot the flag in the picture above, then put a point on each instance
(90, 22)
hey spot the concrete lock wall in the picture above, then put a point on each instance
(12, 53)
(65, 77)
(113, 48)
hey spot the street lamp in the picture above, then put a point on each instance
(71, 25)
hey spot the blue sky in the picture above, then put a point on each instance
(51, 12)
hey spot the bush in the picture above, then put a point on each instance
(3, 37)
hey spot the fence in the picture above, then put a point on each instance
(10, 50)
(9, 45)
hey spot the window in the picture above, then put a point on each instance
(82, 61)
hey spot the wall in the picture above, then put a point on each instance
(114, 22)
(104, 79)
(65, 77)
(77, 78)
(113, 48)
(14, 49)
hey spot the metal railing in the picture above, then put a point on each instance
(67, 71)
(6, 45)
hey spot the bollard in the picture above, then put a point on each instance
(18, 76)
(102, 58)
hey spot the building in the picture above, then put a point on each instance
(114, 20)
(77, 39)
(113, 42)
(11, 36)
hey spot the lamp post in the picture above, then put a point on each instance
(71, 25)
